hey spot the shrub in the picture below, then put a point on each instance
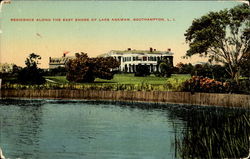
(184, 68)
(216, 72)
(202, 70)
(157, 74)
(142, 70)
(31, 75)
(242, 87)
(166, 69)
(59, 71)
(176, 70)
(201, 84)
(219, 72)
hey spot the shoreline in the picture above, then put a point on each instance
(159, 97)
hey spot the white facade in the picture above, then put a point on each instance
(130, 59)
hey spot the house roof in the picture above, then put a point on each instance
(60, 60)
(136, 52)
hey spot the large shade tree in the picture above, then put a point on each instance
(222, 36)
(245, 65)
(86, 69)
(31, 74)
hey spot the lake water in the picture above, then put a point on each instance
(60, 129)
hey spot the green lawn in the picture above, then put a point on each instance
(128, 82)
(129, 79)
(57, 79)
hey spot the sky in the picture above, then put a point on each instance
(52, 38)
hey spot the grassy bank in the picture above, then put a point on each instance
(119, 82)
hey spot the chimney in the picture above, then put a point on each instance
(151, 49)
(65, 52)
(169, 49)
(129, 49)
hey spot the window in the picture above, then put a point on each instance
(138, 58)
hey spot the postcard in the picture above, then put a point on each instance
(124, 79)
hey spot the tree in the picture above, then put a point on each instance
(219, 72)
(85, 69)
(32, 60)
(223, 36)
(31, 74)
(202, 70)
(216, 72)
(185, 68)
(166, 69)
(245, 65)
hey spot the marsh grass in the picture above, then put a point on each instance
(215, 134)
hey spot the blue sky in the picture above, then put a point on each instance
(19, 39)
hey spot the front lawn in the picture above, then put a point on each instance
(128, 82)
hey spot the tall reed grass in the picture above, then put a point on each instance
(94, 86)
(215, 134)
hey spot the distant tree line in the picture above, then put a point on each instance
(217, 72)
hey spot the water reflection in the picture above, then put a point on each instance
(79, 129)
(87, 129)
(21, 126)
(207, 132)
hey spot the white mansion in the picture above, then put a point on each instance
(130, 59)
